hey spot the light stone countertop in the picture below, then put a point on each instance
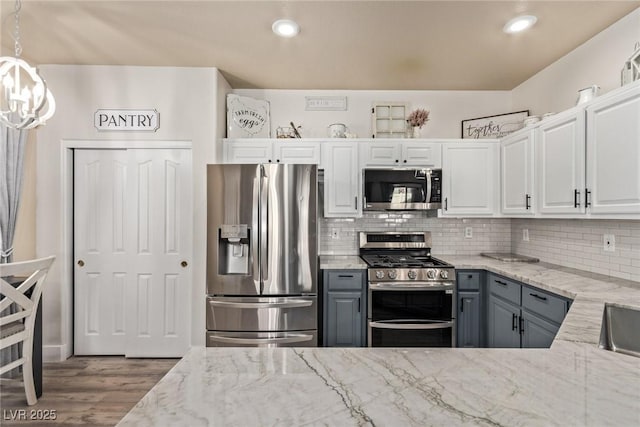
(574, 383)
(341, 262)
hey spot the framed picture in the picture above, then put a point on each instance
(493, 126)
(247, 117)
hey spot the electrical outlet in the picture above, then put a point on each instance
(609, 243)
(468, 232)
(525, 234)
(335, 234)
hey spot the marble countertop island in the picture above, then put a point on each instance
(574, 383)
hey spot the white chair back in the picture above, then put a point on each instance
(17, 325)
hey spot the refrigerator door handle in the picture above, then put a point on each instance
(290, 338)
(254, 305)
(255, 233)
(264, 227)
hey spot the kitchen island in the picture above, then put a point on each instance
(572, 383)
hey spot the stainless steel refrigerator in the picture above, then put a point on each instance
(262, 255)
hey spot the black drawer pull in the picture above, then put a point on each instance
(461, 305)
(345, 276)
(539, 297)
(514, 322)
(470, 276)
(499, 282)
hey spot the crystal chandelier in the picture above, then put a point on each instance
(25, 101)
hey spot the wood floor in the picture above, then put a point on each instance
(88, 391)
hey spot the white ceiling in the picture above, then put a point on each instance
(361, 44)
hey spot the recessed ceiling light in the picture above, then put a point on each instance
(519, 23)
(285, 28)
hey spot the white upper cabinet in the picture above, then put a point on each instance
(401, 153)
(341, 184)
(516, 179)
(271, 151)
(470, 175)
(613, 154)
(560, 163)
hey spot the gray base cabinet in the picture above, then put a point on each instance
(469, 318)
(522, 316)
(344, 314)
(502, 325)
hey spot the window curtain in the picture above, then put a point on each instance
(12, 142)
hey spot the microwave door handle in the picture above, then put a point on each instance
(428, 182)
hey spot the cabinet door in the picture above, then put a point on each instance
(536, 332)
(344, 319)
(502, 329)
(341, 189)
(297, 152)
(380, 153)
(259, 151)
(613, 154)
(470, 179)
(468, 319)
(423, 154)
(560, 164)
(516, 166)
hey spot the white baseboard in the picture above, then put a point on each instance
(55, 353)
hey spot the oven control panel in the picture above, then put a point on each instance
(407, 274)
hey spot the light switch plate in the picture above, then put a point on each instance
(468, 232)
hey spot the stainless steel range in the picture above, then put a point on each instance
(411, 294)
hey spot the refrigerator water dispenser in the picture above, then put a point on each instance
(234, 249)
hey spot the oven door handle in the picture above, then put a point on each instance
(411, 286)
(289, 339)
(388, 324)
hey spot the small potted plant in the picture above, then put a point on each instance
(416, 120)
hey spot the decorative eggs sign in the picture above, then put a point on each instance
(247, 117)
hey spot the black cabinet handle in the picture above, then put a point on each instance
(397, 161)
(356, 202)
(404, 161)
(527, 198)
(538, 297)
(461, 305)
(514, 322)
(499, 282)
(521, 325)
(358, 305)
(470, 276)
(269, 160)
(576, 198)
(345, 276)
(277, 160)
(445, 204)
(587, 202)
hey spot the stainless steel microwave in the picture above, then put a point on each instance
(402, 189)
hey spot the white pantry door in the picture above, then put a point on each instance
(132, 232)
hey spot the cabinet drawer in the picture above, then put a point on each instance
(505, 288)
(340, 280)
(468, 280)
(544, 304)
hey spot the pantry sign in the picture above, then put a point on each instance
(127, 120)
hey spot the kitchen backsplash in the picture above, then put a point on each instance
(579, 244)
(339, 236)
(570, 243)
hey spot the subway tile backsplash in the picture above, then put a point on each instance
(339, 236)
(580, 244)
(570, 243)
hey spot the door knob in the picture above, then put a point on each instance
(184, 264)
(80, 263)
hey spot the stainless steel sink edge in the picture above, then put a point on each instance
(625, 323)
